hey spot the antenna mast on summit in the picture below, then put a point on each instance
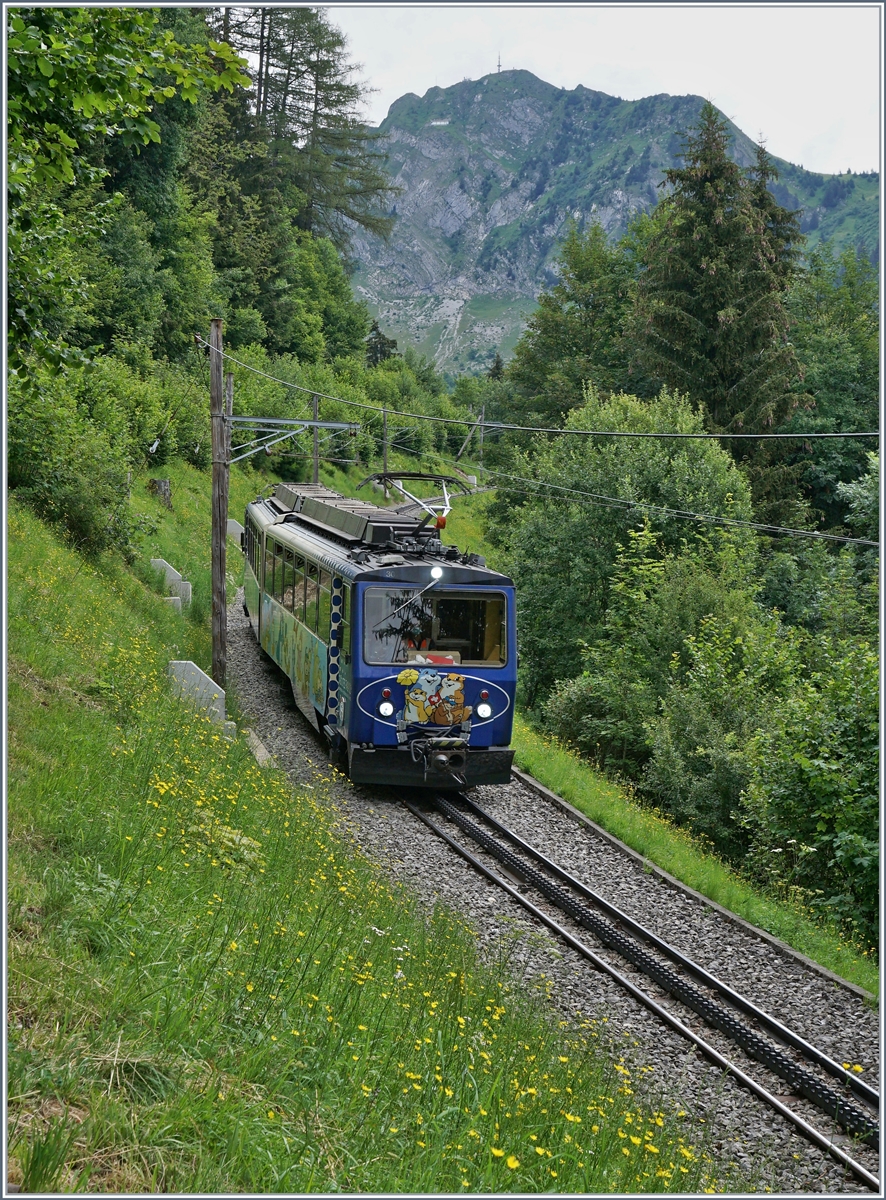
(499, 62)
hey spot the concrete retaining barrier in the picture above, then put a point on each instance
(177, 585)
(195, 685)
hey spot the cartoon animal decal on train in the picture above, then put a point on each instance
(432, 698)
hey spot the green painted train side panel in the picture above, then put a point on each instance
(300, 653)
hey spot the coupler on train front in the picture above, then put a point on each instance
(448, 763)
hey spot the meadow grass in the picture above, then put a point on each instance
(647, 831)
(465, 526)
(210, 990)
(182, 535)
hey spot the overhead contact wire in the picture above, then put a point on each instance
(618, 502)
(605, 501)
(505, 427)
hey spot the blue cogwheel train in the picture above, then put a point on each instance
(400, 649)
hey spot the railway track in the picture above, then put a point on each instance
(537, 884)
(762, 1141)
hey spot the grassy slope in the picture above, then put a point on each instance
(209, 991)
(669, 847)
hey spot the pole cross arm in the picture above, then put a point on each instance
(275, 422)
(265, 444)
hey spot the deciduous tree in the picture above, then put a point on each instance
(77, 77)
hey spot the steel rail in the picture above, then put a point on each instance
(808, 1131)
(782, 1032)
(764, 1050)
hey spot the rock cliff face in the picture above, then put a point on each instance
(491, 172)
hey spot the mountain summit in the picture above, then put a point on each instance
(491, 173)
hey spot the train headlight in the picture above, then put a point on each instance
(436, 572)
(484, 711)
(385, 709)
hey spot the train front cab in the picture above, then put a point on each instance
(432, 683)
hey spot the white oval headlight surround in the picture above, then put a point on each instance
(386, 709)
(484, 711)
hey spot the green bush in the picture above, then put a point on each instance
(656, 600)
(69, 469)
(811, 802)
(699, 741)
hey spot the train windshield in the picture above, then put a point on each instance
(443, 626)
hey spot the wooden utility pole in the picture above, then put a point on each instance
(226, 486)
(464, 444)
(384, 445)
(482, 419)
(316, 400)
(219, 503)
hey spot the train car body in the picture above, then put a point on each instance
(401, 650)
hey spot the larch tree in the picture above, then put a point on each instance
(307, 104)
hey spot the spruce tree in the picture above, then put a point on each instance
(575, 335)
(379, 347)
(710, 317)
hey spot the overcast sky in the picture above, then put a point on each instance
(806, 77)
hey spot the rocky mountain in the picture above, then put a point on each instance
(492, 170)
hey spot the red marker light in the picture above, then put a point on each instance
(386, 692)
(484, 695)
(441, 522)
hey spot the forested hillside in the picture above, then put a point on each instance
(155, 185)
(697, 612)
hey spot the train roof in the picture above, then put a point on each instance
(363, 541)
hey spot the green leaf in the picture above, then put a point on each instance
(45, 67)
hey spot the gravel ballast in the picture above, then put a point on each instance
(734, 1125)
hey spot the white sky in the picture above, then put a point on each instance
(807, 77)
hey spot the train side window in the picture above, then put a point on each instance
(278, 572)
(298, 590)
(288, 579)
(324, 608)
(312, 595)
(268, 582)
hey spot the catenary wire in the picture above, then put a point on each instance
(500, 426)
(606, 501)
(618, 502)
(626, 505)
